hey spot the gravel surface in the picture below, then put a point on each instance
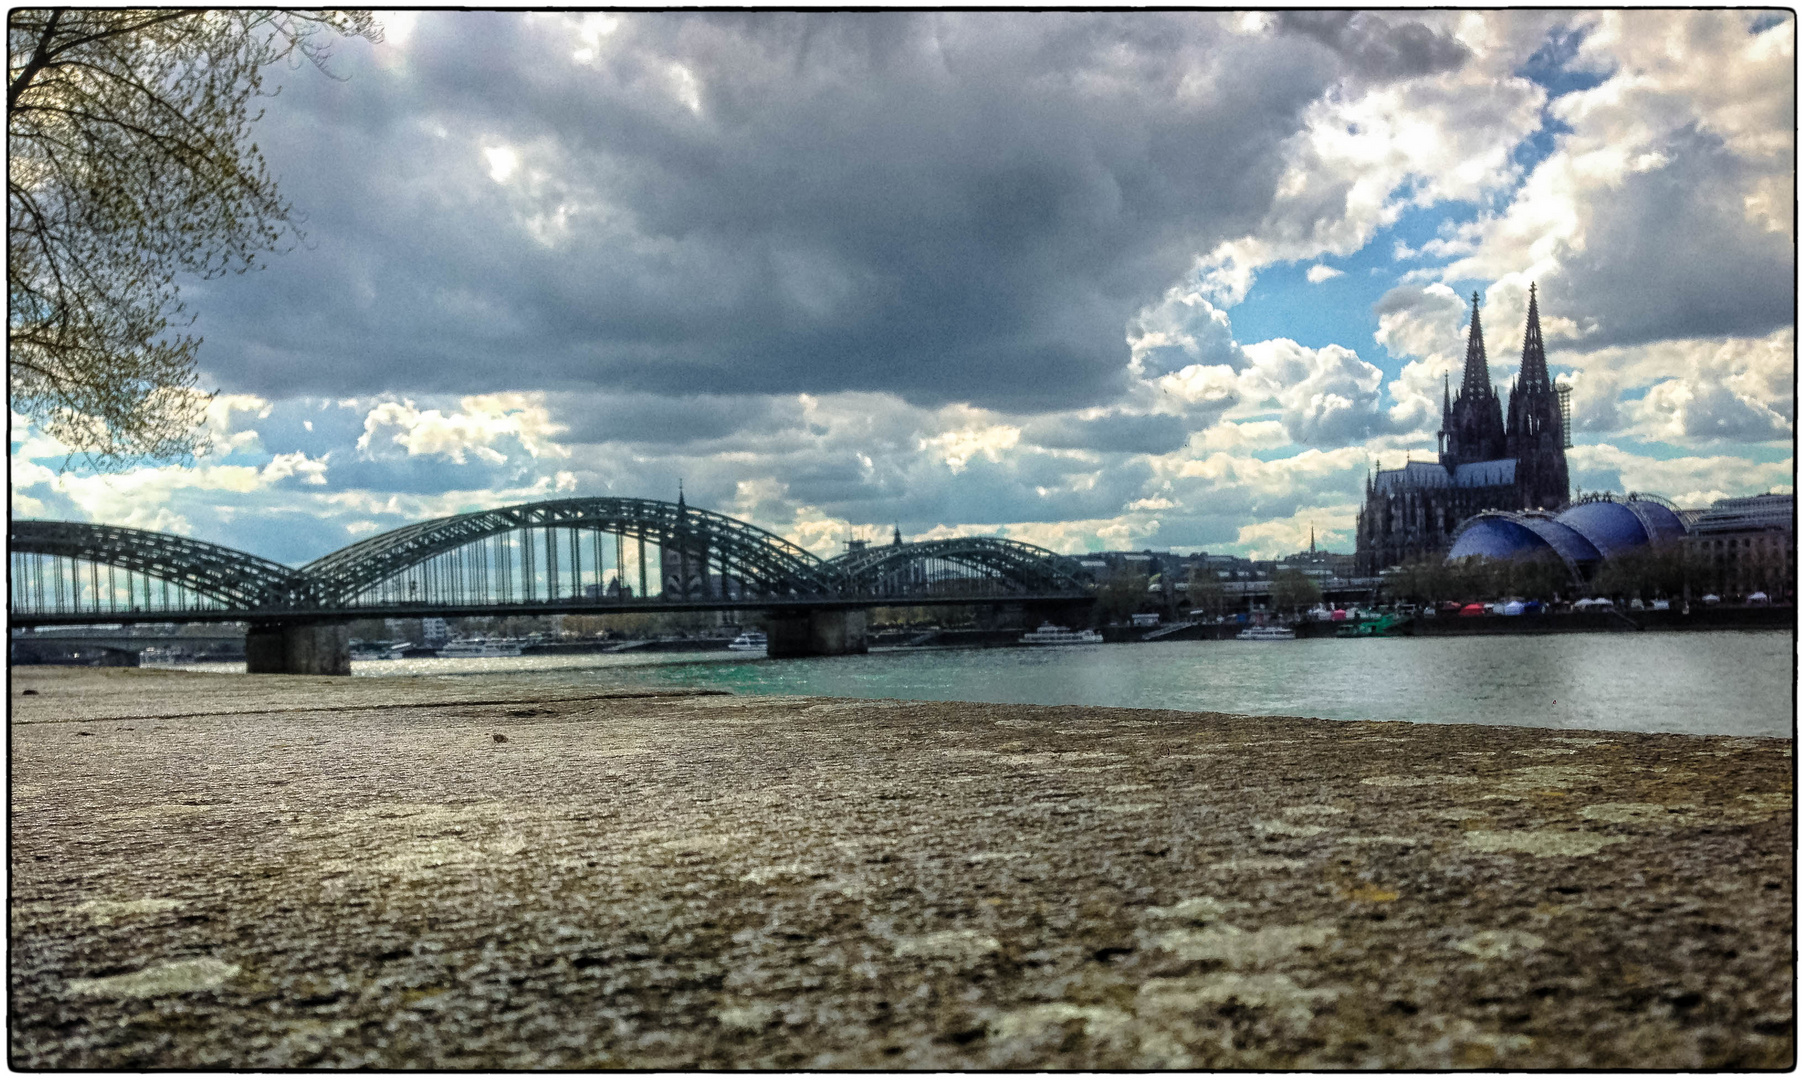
(257, 872)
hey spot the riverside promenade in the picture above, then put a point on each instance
(224, 871)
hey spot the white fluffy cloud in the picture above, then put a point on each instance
(1367, 152)
(1182, 330)
(1688, 481)
(1664, 208)
(1738, 390)
(1326, 397)
(1331, 527)
(481, 421)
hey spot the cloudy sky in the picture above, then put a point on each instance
(1121, 280)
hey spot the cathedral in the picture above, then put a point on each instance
(1485, 463)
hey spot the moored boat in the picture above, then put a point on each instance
(1050, 634)
(377, 650)
(479, 647)
(369, 652)
(750, 641)
(1266, 633)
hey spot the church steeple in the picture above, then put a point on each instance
(1537, 438)
(1478, 371)
(1534, 355)
(1473, 421)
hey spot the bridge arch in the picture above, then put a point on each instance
(975, 564)
(223, 575)
(716, 551)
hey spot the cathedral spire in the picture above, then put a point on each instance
(1474, 420)
(1477, 382)
(1537, 423)
(1534, 357)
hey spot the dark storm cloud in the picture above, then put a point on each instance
(946, 206)
(1673, 254)
(1377, 46)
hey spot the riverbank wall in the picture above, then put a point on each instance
(286, 872)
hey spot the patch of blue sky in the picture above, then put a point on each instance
(1284, 303)
(286, 429)
(1551, 68)
(1535, 149)
(423, 475)
(285, 534)
(1765, 22)
(1276, 453)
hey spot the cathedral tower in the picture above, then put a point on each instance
(1537, 438)
(1472, 425)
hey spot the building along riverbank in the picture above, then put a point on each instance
(217, 871)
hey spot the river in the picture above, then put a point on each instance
(1717, 683)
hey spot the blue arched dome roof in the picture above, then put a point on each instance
(1661, 522)
(1609, 526)
(1496, 536)
(1519, 535)
(1571, 544)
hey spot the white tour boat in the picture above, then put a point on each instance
(376, 650)
(1048, 634)
(750, 641)
(1266, 633)
(479, 647)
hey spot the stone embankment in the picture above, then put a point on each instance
(217, 871)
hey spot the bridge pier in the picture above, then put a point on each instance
(287, 648)
(833, 632)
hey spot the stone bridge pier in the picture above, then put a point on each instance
(298, 648)
(819, 632)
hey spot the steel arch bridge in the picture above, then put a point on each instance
(960, 566)
(202, 575)
(533, 558)
(716, 556)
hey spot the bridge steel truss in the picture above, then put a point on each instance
(222, 576)
(750, 562)
(977, 566)
(527, 559)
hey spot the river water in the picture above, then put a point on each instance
(1718, 683)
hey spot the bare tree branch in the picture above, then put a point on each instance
(130, 162)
